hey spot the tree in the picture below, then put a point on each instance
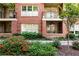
(71, 16)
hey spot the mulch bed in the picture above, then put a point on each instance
(64, 51)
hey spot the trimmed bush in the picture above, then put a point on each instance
(16, 34)
(58, 38)
(31, 35)
(75, 45)
(13, 46)
(71, 36)
(56, 44)
(42, 49)
(3, 37)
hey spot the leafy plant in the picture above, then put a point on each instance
(56, 44)
(3, 37)
(42, 49)
(70, 16)
(75, 45)
(71, 36)
(31, 35)
(14, 46)
(16, 34)
(58, 38)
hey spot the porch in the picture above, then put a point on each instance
(5, 27)
(52, 29)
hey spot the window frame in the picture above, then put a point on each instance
(30, 28)
(30, 13)
(32, 8)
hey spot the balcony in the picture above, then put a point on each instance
(8, 17)
(52, 11)
(51, 15)
(7, 12)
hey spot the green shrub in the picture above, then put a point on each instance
(59, 38)
(77, 35)
(31, 35)
(3, 37)
(56, 44)
(71, 36)
(14, 46)
(42, 49)
(75, 45)
(16, 34)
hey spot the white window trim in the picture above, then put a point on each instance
(29, 28)
(29, 13)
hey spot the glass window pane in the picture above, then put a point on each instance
(23, 8)
(29, 8)
(35, 8)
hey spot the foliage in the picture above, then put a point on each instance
(70, 16)
(56, 44)
(31, 35)
(3, 37)
(77, 36)
(71, 13)
(59, 38)
(75, 45)
(71, 36)
(42, 49)
(7, 5)
(13, 46)
(16, 34)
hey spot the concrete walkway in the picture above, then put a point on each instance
(47, 41)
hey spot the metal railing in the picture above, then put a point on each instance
(50, 15)
(14, 15)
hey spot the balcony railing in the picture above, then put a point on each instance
(50, 15)
(8, 17)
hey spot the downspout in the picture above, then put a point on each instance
(41, 22)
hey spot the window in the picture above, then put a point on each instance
(35, 8)
(29, 28)
(23, 8)
(29, 10)
(53, 27)
(75, 29)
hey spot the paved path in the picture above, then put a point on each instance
(47, 41)
(65, 51)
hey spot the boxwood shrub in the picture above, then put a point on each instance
(42, 49)
(31, 35)
(75, 45)
(71, 36)
(56, 44)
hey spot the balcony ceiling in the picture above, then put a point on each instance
(52, 4)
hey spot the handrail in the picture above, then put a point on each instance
(50, 14)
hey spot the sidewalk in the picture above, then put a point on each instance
(47, 41)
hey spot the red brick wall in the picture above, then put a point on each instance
(16, 26)
(29, 19)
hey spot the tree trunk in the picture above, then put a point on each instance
(68, 29)
(68, 39)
